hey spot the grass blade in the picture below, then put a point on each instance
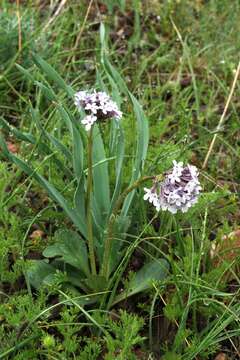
(52, 74)
(100, 174)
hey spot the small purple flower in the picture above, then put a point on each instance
(178, 191)
(97, 106)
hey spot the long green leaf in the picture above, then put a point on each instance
(59, 145)
(29, 138)
(19, 134)
(115, 75)
(141, 151)
(47, 91)
(76, 137)
(25, 72)
(78, 152)
(142, 130)
(52, 74)
(52, 191)
(79, 198)
(100, 174)
(119, 151)
(116, 142)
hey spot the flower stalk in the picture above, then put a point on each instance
(88, 202)
(111, 222)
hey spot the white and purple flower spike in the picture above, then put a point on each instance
(179, 190)
(98, 106)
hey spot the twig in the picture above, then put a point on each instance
(82, 27)
(221, 121)
(56, 13)
(80, 32)
(232, 343)
(19, 28)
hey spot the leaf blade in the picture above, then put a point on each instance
(52, 74)
(156, 270)
(71, 247)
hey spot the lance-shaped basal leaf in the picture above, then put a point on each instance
(52, 74)
(101, 185)
(71, 248)
(142, 131)
(156, 270)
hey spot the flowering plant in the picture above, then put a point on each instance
(91, 257)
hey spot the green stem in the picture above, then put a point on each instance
(89, 213)
(111, 222)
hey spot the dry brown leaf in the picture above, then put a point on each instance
(36, 234)
(13, 148)
(221, 356)
(227, 249)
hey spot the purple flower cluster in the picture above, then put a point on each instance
(97, 106)
(178, 191)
